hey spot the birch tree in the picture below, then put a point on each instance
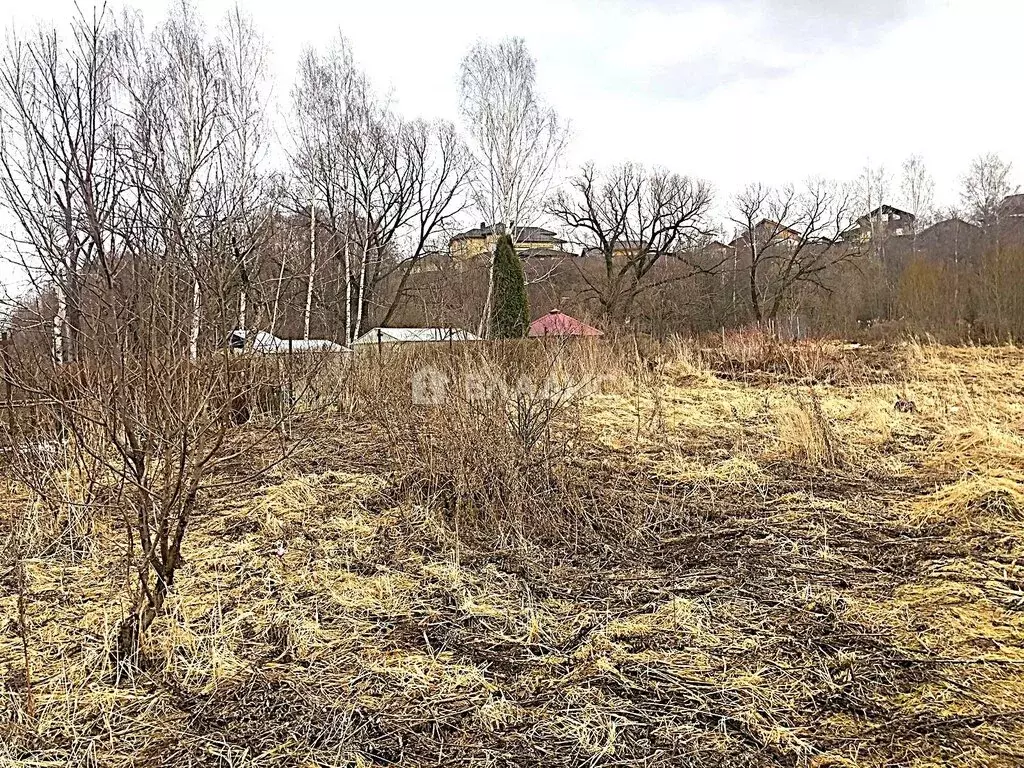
(242, 153)
(327, 88)
(129, 160)
(387, 187)
(984, 185)
(873, 188)
(307, 310)
(176, 120)
(516, 140)
(918, 187)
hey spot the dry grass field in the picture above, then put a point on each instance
(739, 555)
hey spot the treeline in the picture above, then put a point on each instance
(148, 187)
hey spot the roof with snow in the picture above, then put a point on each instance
(557, 323)
(400, 335)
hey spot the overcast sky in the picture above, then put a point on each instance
(731, 90)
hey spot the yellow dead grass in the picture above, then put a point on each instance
(397, 636)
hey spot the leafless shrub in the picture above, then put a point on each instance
(143, 426)
(133, 168)
(478, 431)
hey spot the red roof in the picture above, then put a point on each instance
(555, 323)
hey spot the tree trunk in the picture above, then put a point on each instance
(59, 321)
(307, 311)
(484, 328)
(243, 294)
(193, 346)
(735, 279)
(277, 292)
(349, 336)
(755, 301)
(350, 331)
(361, 295)
(362, 272)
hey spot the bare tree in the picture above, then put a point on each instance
(408, 187)
(243, 152)
(983, 187)
(195, 136)
(792, 238)
(434, 169)
(307, 310)
(632, 218)
(387, 187)
(177, 111)
(139, 417)
(516, 140)
(59, 150)
(874, 186)
(918, 187)
(327, 91)
(131, 166)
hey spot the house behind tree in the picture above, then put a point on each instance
(622, 249)
(952, 240)
(528, 242)
(883, 222)
(1011, 207)
(765, 232)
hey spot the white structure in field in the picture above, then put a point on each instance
(413, 335)
(260, 341)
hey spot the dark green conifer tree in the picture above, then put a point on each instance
(510, 315)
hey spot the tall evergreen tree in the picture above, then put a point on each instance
(510, 313)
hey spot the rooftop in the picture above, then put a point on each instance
(1012, 205)
(767, 225)
(954, 222)
(557, 323)
(540, 253)
(890, 210)
(519, 234)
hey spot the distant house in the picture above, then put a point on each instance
(1011, 207)
(763, 231)
(413, 335)
(620, 249)
(716, 246)
(883, 222)
(557, 323)
(432, 261)
(1010, 220)
(953, 240)
(536, 252)
(529, 242)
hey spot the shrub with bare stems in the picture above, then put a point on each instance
(144, 427)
